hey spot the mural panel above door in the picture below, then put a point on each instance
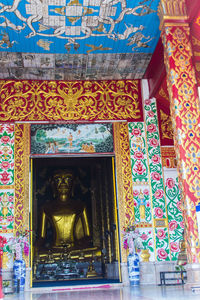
(77, 39)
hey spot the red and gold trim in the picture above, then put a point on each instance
(186, 118)
(70, 100)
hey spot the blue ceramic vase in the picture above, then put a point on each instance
(19, 275)
(133, 269)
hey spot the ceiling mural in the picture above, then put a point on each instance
(77, 39)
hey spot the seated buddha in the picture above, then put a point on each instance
(68, 220)
(182, 256)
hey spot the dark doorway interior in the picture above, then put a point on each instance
(93, 185)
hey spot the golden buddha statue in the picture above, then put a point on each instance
(69, 223)
(182, 257)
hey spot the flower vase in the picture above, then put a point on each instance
(19, 274)
(133, 268)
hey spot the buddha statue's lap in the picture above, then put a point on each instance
(69, 224)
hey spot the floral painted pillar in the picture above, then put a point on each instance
(6, 185)
(158, 203)
(186, 119)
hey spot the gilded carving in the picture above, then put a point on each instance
(172, 9)
(163, 94)
(7, 187)
(22, 148)
(69, 100)
(195, 41)
(166, 125)
(124, 178)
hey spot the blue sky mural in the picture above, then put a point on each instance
(77, 39)
(79, 26)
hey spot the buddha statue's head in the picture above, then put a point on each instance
(62, 182)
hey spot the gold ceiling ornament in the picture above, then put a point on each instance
(172, 10)
(70, 100)
(166, 126)
(73, 20)
(74, 2)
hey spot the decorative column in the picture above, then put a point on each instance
(184, 105)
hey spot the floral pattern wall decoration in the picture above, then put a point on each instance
(6, 186)
(162, 244)
(175, 217)
(138, 152)
(146, 234)
(6, 210)
(141, 192)
(154, 153)
(6, 154)
(156, 181)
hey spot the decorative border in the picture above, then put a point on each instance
(70, 100)
(124, 179)
(6, 155)
(6, 178)
(22, 149)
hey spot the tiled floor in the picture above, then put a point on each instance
(144, 292)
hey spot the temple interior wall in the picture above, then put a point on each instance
(156, 199)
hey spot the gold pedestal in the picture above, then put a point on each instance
(91, 271)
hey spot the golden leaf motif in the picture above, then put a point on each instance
(70, 100)
(163, 94)
(166, 125)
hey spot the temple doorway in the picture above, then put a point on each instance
(92, 255)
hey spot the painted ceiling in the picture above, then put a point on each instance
(77, 39)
